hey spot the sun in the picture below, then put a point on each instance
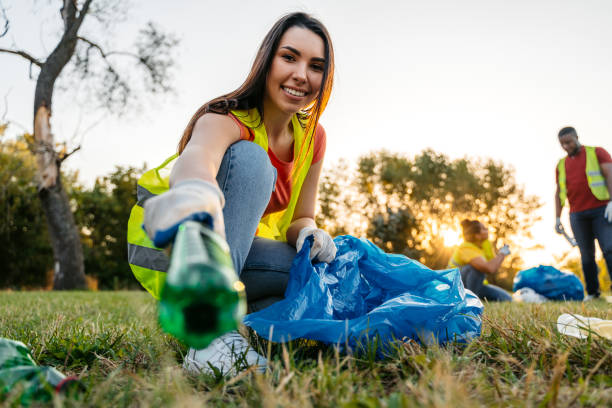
(451, 237)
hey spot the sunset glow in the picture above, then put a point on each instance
(451, 237)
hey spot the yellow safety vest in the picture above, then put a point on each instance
(486, 249)
(149, 263)
(596, 180)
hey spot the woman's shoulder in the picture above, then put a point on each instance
(217, 124)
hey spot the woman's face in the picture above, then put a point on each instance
(296, 72)
(483, 234)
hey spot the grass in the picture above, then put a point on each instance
(112, 342)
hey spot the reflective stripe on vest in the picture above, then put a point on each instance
(149, 263)
(595, 179)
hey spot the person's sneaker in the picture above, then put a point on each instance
(588, 298)
(229, 354)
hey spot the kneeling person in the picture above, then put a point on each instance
(476, 258)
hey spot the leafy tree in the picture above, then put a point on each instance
(24, 247)
(102, 214)
(404, 204)
(102, 71)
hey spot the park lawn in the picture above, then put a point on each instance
(112, 342)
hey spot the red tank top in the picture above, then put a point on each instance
(282, 191)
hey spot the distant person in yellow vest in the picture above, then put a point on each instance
(584, 178)
(476, 259)
(249, 161)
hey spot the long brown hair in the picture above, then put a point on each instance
(470, 229)
(251, 93)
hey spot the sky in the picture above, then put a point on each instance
(475, 78)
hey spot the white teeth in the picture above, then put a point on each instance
(294, 92)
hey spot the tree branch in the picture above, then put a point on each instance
(110, 69)
(107, 54)
(6, 22)
(24, 55)
(64, 156)
(68, 13)
(74, 29)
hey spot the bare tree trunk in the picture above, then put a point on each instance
(69, 271)
(63, 232)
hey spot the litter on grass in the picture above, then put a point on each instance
(366, 294)
(550, 282)
(579, 326)
(528, 295)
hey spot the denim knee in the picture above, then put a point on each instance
(248, 162)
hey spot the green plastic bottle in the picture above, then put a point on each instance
(37, 383)
(202, 297)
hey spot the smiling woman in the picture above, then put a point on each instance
(249, 161)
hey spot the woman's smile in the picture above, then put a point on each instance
(294, 92)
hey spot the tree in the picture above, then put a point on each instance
(102, 215)
(405, 205)
(94, 64)
(24, 246)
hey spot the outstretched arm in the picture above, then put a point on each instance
(212, 135)
(303, 224)
(557, 203)
(305, 208)
(489, 267)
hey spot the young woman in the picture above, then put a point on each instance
(475, 258)
(251, 159)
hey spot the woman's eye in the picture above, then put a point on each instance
(288, 57)
(317, 67)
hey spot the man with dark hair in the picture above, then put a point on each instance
(584, 178)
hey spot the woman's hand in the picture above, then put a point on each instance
(323, 247)
(505, 250)
(191, 199)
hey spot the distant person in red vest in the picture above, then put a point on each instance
(584, 178)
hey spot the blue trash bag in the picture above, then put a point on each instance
(550, 282)
(368, 294)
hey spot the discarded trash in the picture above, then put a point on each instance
(550, 282)
(367, 294)
(528, 295)
(202, 297)
(579, 326)
(38, 383)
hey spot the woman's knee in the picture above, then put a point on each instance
(471, 277)
(248, 164)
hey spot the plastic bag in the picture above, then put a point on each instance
(550, 282)
(367, 294)
(579, 326)
(528, 295)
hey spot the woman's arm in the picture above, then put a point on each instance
(490, 267)
(212, 135)
(304, 213)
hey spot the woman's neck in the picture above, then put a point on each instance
(478, 243)
(277, 123)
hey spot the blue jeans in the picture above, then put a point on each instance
(247, 179)
(473, 280)
(587, 226)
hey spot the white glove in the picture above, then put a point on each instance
(558, 226)
(192, 199)
(505, 250)
(323, 247)
(608, 212)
